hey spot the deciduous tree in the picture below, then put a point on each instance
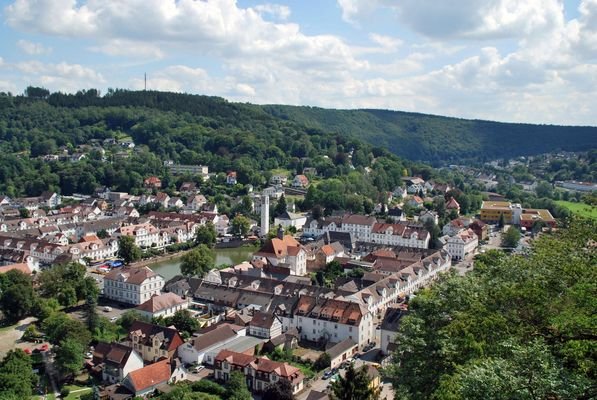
(198, 261)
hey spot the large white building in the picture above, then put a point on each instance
(132, 285)
(145, 235)
(367, 229)
(461, 244)
(400, 235)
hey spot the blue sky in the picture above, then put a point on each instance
(507, 60)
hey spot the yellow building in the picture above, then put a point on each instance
(491, 211)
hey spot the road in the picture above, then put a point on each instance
(51, 371)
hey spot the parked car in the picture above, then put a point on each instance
(113, 319)
(88, 355)
(327, 374)
(107, 309)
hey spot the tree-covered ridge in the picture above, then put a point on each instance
(440, 139)
(186, 129)
(517, 327)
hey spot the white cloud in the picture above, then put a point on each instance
(123, 47)
(276, 10)
(465, 19)
(218, 28)
(386, 42)
(545, 74)
(33, 48)
(61, 76)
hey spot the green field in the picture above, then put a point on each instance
(581, 209)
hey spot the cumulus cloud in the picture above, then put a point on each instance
(218, 27)
(59, 76)
(276, 10)
(386, 42)
(33, 48)
(465, 19)
(546, 73)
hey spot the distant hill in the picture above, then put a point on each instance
(439, 139)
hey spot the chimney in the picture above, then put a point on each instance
(280, 232)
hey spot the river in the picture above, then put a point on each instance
(169, 268)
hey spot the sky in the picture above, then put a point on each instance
(505, 60)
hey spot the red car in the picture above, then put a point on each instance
(43, 347)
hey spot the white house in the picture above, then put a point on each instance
(145, 235)
(162, 305)
(284, 252)
(116, 360)
(132, 285)
(461, 244)
(265, 325)
(289, 219)
(259, 372)
(203, 348)
(400, 235)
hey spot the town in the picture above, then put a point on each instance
(318, 294)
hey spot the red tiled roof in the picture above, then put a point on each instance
(328, 250)
(151, 375)
(452, 204)
(23, 267)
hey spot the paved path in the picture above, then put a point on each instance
(10, 338)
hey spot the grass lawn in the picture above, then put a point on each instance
(76, 391)
(581, 209)
(280, 171)
(7, 328)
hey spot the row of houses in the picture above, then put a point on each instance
(368, 230)
(316, 313)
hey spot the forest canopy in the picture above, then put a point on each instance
(516, 327)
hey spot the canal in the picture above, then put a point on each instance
(169, 268)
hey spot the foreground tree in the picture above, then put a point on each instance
(198, 261)
(236, 387)
(281, 390)
(128, 250)
(511, 238)
(16, 375)
(69, 356)
(354, 385)
(514, 328)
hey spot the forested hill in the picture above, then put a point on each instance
(439, 139)
(413, 136)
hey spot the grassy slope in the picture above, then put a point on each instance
(582, 209)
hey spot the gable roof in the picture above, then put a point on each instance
(340, 348)
(263, 320)
(220, 334)
(151, 375)
(135, 276)
(114, 354)
(170, 337)
(161, 302)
